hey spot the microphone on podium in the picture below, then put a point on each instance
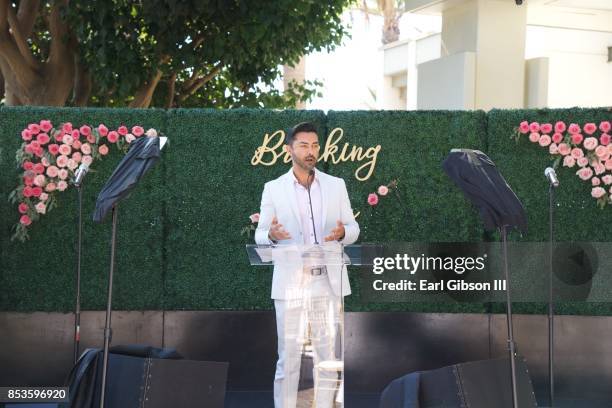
(551, 175)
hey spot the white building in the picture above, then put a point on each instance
(496, 54)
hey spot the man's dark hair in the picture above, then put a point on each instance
(300, 127)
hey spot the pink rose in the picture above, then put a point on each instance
(62, 185)
(372, 199)
(91, 139)
(577, 138)
(27, 165)
(43, 138)
(52, 171)
(573, 129)
(103, 149)
(39, 168)
(26, 135)
(62, 174)
(595, 181)
(44, 197)
(557, 138)
(601, 151)
(34, 144)
(608, 164)
(23, 208)
(25, 220)
(102, 130)
(151, 133)
(74, 134)
(86, 148)
(598, 192)
(585, 173)
(604, 139)
(569, 161)
(544, 140)
(113, 136)
(590, 128)
(524, 127)
(58, 136)
(41, 208)
(76, 156)
(546, 128)
(67, 127)
(28, 180)
(85, 130)
(560, 127)
(383, 190)
(50, 187)
(27, 191)
(34, 128)
(86, 159)
(53, 149)
(534, 127)
(36, 191)
(72, 164)
(553, 148)
(599, 168)
(254, 218)
(122, 130)
(65, 149)
(76, 145)
(138, 131)
(69, 140)
(40, 180)
(582, 162)
(590, 143)
(605, 126)
(577, 152)
(45, 162)
(607, 179)
(564, 149)
(46, 125)
(534, 137)
(61, 161)
(39, 152)
(130, 138)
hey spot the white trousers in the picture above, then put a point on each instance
(318, 309)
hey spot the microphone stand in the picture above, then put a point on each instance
(314, 231)
(551, 315)
(77, 311)
(511, 345)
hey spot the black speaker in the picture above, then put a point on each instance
(138, 382)
(478, 384)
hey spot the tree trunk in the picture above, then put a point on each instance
(391, 31)
(296, 73)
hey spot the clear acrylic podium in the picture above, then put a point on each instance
(312, 280)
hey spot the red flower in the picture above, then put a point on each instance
(113, 136)
(27, 191)
(39, 168)
(85, 130)
(102, 130)
(26, 135)
(122, 130)
(34, 128)
(91, 139)
(54, 149)
(67, 127)
(28, 165)
(46, 125)
(25, 220)
(75, 134)
(577, 138)
(23, 208)
(604, 139)
(43, 138)
(36, 191)
(137, 131)
(590, 128)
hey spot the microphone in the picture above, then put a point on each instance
(551, 175)
(314, 231)
(80, 174)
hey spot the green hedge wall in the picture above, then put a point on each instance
(179, 242)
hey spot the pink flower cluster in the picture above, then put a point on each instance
(588, 147)
(382, 191)
(49, 157)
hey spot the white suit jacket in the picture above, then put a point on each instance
(279, 199)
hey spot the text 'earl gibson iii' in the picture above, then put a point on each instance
(443, 285)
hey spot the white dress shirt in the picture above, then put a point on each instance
(306, 216)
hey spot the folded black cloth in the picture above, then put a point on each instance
(479, 179)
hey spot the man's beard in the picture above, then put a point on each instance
(305, 164)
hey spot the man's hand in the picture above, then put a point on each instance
(277, 232)
(337, 233)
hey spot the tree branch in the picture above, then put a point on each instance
(171, 90)
(82, 83)
(20, 40)
(27, 13)
(4, 6)
(200, 82)
(194, 75)
(142, 98)
(60, 48)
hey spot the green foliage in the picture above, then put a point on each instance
(124, 43)
(180, 244)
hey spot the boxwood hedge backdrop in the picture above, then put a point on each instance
(179, 239)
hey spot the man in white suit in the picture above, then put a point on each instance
(306, 206)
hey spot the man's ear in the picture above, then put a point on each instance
(287, 148)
